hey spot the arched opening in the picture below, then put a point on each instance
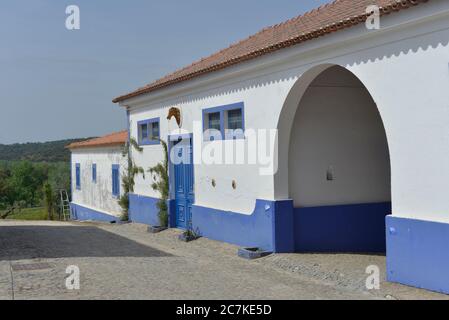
(338, 166)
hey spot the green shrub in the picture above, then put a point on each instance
(162, 185)
(49, 200)
(128, 180)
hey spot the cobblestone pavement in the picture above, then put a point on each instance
(126, 262)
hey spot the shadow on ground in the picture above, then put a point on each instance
(33, 242)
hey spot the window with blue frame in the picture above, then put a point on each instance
(235, 119)
(155, 133)
(214, 120)
(143, 132)
(94, 173)
(78, 176)
(225, 122)
(149, 132)
(116, 180)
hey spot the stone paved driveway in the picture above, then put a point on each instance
(125, 262)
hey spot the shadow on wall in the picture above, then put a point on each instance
(23, 243)
(411, 44)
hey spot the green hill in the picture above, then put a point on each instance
(37, 152)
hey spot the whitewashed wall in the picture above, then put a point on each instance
(150, 155)
(338, 131)
(248, 190)
(405, 68)
(409, 81)
(97, 196)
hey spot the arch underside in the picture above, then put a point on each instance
(338, 165)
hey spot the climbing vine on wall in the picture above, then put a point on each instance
(128, 180)
(161, 185)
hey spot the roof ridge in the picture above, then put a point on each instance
(108, 135)
(236, 43)
(334, 16)
(115, 138)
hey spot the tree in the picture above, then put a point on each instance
(6, 198)
(59, 176)
(27, 180)
(21, 183)
(49, 200)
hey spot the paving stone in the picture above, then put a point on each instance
(127, 262)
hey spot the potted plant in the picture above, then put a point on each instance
(189, 235)
(252, 253)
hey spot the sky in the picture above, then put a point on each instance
(57, 84)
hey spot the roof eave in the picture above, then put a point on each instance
(105, 145)
(323, 31)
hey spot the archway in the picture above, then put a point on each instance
(338, 164)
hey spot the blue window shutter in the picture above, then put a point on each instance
(116, 180)
(94, 172)
(78, 176)
(114, 192)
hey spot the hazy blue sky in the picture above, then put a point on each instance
(57, 84)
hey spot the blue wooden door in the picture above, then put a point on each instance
(184, 184)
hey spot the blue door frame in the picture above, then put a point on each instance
(183, 179)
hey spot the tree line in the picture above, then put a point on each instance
(54, 151)
(22, 182)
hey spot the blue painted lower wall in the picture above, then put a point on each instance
(264, 228)
(283, 227)
(274, 225)
(143, 210)
(81, 213)
(418, 254)
(347, 228)
(244, 230)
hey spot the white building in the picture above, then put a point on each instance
(361, 121)
(97, 167)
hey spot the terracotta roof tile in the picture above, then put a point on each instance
(113, 139)
(324, 20)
